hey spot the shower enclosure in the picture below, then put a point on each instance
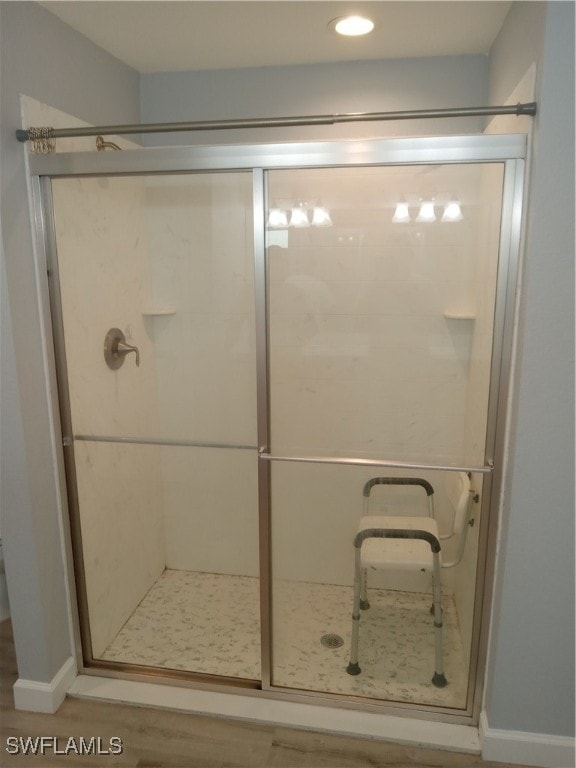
(244, 336)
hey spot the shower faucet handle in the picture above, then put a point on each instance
(116, 348)
(124, 348)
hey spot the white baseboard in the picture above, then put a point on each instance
(521, 747)
(45, 697)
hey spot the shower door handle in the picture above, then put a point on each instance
(116, 348)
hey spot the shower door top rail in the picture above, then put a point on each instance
(426, 150)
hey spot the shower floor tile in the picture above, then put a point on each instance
(396, 645)
(209, 623)
(201, 622)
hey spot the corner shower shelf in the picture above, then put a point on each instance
(158, 311)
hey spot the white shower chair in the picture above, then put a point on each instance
(409, 543)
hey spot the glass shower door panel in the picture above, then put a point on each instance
(163, 417)
(170, 556)
(382, 291)
(381, 315)
(316, 513)
(168, 261)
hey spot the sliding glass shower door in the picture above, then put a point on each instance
(264, 351)
(156, 290)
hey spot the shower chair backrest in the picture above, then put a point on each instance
(398, 481)
(459, 494)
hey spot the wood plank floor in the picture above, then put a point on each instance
(161, 739)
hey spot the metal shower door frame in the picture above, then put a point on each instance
(508, 149)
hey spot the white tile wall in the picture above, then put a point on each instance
(201, 256)
(211, 510)
(120, 495)
(363, 360)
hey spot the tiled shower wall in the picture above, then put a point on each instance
(201, 251)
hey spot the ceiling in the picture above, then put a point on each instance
(191, 35)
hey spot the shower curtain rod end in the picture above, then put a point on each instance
(22, 135)
(526, 109)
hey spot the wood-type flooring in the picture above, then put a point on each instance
(155, 738)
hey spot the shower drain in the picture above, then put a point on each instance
(331, 641)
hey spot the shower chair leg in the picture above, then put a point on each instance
(364, 602)
(439, 679)
(353, 667)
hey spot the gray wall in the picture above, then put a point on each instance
(531, 669)
(362, 86)
(44, 59)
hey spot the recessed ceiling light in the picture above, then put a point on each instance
(353, 26)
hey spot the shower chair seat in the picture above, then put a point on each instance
(408, 543)
(389, 553)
